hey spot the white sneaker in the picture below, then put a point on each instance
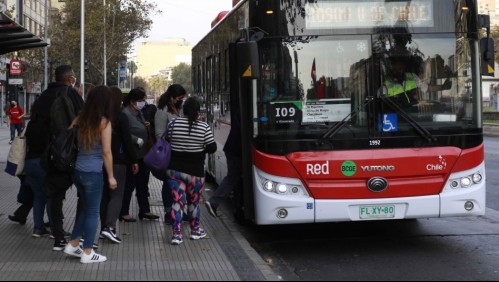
(92, 257)
(73, 251)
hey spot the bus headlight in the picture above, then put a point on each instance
(268, 186)
(466, 181)
(477, 178)
(282, 188)
(281, 185)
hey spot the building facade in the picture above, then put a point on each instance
(490, 7)
(160, 57)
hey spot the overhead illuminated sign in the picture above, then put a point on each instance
(362, 14)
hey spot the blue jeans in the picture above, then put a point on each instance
(89, 185)
(35, 177)
(13, 128)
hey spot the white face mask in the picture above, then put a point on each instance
(140, 105)
(74, 83)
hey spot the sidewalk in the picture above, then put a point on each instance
(145, 254)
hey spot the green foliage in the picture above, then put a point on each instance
(181, 74)
(126, 21)
(495, 35)
(157, 85)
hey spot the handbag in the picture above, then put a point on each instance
(17, 155)
(158, 157)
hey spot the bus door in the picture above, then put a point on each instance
(210, 104)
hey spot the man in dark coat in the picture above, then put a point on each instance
(56, 182)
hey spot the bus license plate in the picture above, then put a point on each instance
(377, 211)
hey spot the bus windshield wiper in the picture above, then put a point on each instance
(337, 127)
(416, 125)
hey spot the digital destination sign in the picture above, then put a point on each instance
(363, 14)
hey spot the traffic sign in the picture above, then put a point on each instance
(15, 67)
(15, 81)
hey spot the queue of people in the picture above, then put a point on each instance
(113, 134)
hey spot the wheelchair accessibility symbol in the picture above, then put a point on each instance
(389, 123)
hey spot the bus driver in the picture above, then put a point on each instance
(405, 87)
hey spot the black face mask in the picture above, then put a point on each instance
(178, 104)
(12, 105)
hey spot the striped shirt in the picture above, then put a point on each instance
(189, 147)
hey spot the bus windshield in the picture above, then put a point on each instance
(309, 85)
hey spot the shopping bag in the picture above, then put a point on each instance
(17, 155)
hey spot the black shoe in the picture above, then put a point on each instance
(17, 219)
(127, 218)
(110, 234)
(149, 216)
(37, 233)
(212, 209)
(59, 245)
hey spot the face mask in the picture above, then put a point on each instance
(12, 105)
(178, 104)
(74, 83)
(140, 105)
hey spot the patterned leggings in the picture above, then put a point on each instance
(186, 190)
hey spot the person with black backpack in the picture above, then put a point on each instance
(50, 105)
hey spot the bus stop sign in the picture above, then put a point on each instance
(15, 67)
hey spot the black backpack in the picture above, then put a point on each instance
(62, 112)
(62, 151)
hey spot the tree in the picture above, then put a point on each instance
(126, 21)
(181, 74)
(157, 85)
(495, 36)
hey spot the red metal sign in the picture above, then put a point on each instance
(15, 67)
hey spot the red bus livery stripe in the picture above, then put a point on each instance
(344, 174)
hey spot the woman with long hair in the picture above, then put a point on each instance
(169, 108)
(94, 142)
(124, 155)
(191, 139)
(34, 173)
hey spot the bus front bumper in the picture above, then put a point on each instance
(277, 209)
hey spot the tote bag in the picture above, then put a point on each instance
(17, 155)
(158, 157)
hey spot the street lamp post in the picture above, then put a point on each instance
(105, 46)
(82, 55)
(46, 80)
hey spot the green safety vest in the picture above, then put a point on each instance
(395, 89)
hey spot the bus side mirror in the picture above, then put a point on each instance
(248, 60)
(487, 51)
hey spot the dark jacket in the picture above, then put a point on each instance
(122, 145)
(35, 131)
(47, 99)
(233, 144)
(56, 182)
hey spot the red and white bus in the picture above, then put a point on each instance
(323, 139)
